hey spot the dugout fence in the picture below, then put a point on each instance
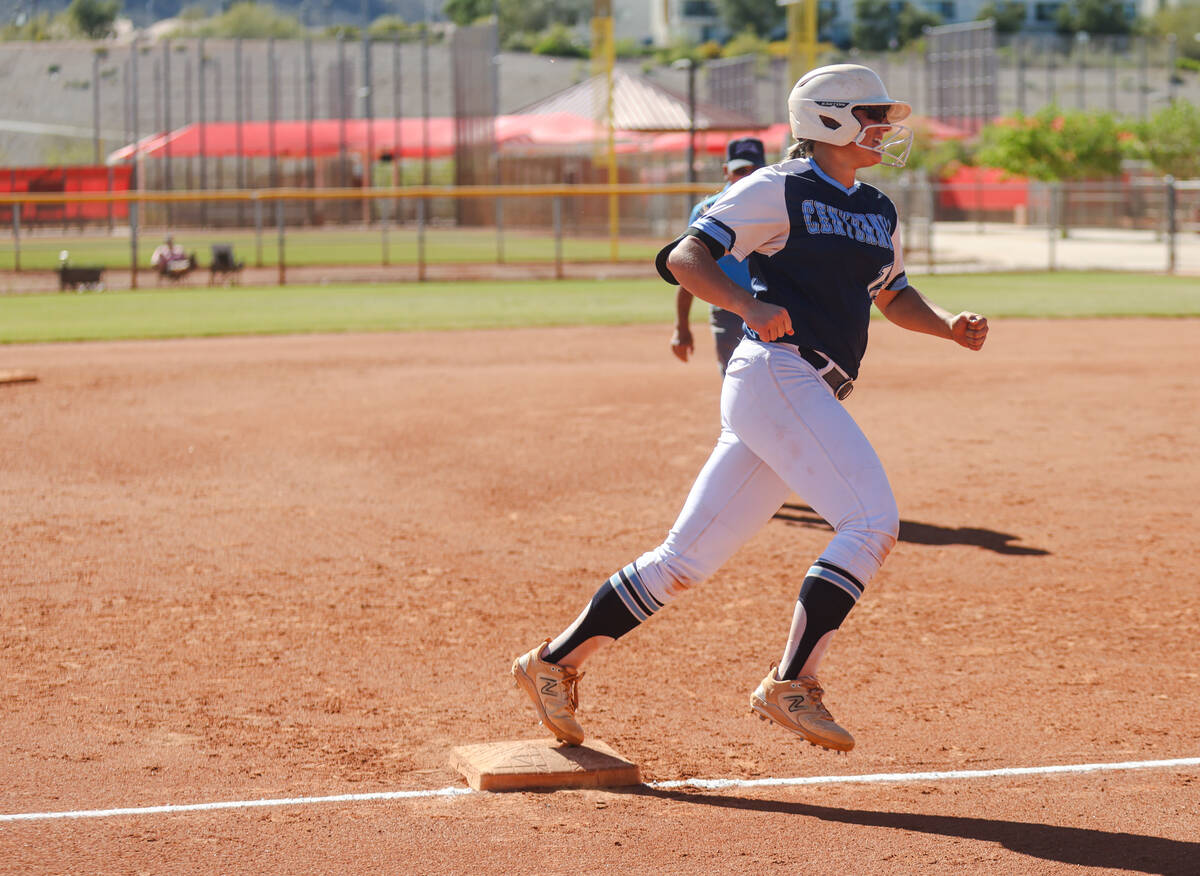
(412, 233)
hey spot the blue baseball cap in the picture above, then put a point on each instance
(745, 152)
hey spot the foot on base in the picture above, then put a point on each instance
(554, 691)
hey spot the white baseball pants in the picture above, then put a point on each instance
(782, 431)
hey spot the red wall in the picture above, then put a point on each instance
(85, 178)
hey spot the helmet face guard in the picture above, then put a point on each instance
(894, 144)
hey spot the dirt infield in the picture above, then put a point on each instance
(247, 569)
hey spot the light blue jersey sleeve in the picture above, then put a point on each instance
(738, 271)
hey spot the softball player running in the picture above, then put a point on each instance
(822, 247)
(742, 157)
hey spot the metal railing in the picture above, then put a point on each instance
(999, 226)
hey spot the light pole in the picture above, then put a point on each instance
(690, 66)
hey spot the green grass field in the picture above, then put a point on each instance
(324, 246)
(198, 312)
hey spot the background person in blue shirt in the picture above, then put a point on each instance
(742, 157)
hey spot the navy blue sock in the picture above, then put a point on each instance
(621, 603)
(828, 593)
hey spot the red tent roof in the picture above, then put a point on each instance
(291, 138)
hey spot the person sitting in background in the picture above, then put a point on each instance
(170, 260)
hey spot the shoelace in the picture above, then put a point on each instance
(570, 685)
(815, 692)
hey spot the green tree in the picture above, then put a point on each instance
(388, 27)
(1168, 140)
(876, 25)
(1054, 145)
(93, 18)
(911, 22)
(249, 20)
(759, 16)
(464, 12)
(1009, 15)
(883, 24)
(1183, 21)
(1093, 17)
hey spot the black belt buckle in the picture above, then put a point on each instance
(841, 385)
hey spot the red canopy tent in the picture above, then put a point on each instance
(407, 137)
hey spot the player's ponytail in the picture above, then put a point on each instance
(800, 149)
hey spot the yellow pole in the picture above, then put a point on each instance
(802, 37)
(603, 61)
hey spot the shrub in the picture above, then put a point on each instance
(560, 41)
(1168, 140)
(1054, 145)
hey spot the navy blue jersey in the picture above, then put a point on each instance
(815, 247)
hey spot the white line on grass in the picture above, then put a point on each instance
(705, 784)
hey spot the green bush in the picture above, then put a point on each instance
(1168, 140)
(745, 43)
(561, 42)
(627, 47)
(1055, 144)
(244, 19)
(94, 18)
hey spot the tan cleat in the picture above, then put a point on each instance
(554, 692)
(796, 704)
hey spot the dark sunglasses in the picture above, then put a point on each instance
(876, 114)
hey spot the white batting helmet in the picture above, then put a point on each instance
(821, 107)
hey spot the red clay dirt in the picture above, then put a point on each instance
(259, 568)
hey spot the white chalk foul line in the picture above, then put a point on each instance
(235, 804)
(704, 784)
(712, 784)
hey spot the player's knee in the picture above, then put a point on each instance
(862, 544)
(881, 532)
(667, 573)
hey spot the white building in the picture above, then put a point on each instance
(663, 22)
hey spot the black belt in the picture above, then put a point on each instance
(841, 385)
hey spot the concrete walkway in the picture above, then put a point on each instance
(972, 246)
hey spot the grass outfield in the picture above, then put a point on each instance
(167, 313)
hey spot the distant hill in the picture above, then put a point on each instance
(317, 13)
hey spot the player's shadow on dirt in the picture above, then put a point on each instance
(1069, 845)
(924, 533)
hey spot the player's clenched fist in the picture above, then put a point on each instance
(769, 321)
(970, 330)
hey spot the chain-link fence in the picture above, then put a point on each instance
(555, 231)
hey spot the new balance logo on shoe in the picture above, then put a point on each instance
(554, 692)
(801, 713)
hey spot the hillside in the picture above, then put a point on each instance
(318, 12)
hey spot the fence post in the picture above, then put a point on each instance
(279, 223)
(931, 200)
(258, 222)
(385, 216)
(16, 222)
(1169, 182)
(558, 256)
(1051, 223)
(1019, 45)
(499, 230)
(421, 206)
(133, 238)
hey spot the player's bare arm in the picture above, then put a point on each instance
(696, 270)
(682, 344)
(911, 310)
